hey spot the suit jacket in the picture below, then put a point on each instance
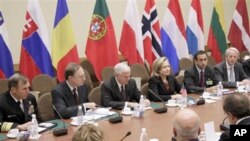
(157, 86)
(246, 67)
(11, 113)
(221, 74)
(225, 136)
(112, 97)
(64, 100)
(191, 79)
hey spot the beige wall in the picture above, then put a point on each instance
(81, 12)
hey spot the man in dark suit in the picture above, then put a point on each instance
(120, 89)
(229, 72)
(200, 76)
(17, 105)
(237, 108)
(71, 93)
(246, 66)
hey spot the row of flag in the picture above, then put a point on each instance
(141, 41)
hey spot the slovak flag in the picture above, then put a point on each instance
(6, 63)
(35, 51)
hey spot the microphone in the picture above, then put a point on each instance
(60, 131)
(164, 109)
(117, 119)
(128, 133)
(224, 126)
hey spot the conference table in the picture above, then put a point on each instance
(158, 126)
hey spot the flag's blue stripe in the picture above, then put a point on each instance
(169, 51)
(6, 63)
(192, 41)
(61, 11)
(156, 46)
(37, 50)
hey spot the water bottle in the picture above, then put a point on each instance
(141, 106)
(219, 91)
(80, 116)
(144, 136)
(184, 97)
(34, 127)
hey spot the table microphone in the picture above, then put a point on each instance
(224, 126)
(128, 133)
(164, 109)
(60, 131)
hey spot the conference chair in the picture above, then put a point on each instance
(243, 54)
(42, 83)
(88, 66)
(211, 61)
(88, 81)
(185, 63)
(139, 70)
(3, 85)
(180, 78)
(95, 95)
(144, 89)
(107, 72)
(44, 106)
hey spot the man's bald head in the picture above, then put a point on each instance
(186, 124)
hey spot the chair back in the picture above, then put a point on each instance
(43, 83)
(185, 63)
(3, 85)
(211, 61)
(88, 81)
(44, 106)
(144, 89)
(139, 70)
(95, 95)
(107, 72)
(88, 66)
(180, 78)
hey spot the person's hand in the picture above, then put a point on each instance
(132, 104)
(90, 105)
(212, 89)
(147, 103)
(176, 96)
(24, 126)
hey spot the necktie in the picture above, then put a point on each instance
(231, 75)
(76, 96)
(123, 92)
(20, 105)
(202, 82)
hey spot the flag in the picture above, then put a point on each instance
(101, 49)
(194, 30)
(173, 35)
(64, 48)
(239, 34)
(6, 63)
(216, 37)
(131, 44)
(35, 49)
(151, 32)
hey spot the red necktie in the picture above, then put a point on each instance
(202, 84)
(76, 96)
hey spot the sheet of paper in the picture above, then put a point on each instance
(210, 131)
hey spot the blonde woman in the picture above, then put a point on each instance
(162, 82)
(88, 132)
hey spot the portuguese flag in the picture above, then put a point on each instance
(101, 49)
(216, 37)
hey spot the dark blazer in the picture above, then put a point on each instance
(112, 97)
(11, 113)
(191, 79)
(225, 136)
(64, 101)
(157, 86)
(246, 67)
(221, 74)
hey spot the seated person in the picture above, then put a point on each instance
(200, 76)
(88, 132)
(246, 65)
(186, 126)
(71, 93)
(163, 82)
(229, 72)
(120, 89)
(17, 105)
(237, 108)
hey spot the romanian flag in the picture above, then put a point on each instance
(239, 33)
(101, 47)
(64, 48)
(216, 36)
(6, 63)
(35, 51)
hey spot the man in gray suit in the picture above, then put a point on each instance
(230, 72)
(71, 93)
(120, 89)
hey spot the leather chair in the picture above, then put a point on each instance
(44, 106)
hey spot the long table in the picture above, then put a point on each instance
(158, 126)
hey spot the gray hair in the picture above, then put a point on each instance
(15, 79)
(120, 68)
(232, 49)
